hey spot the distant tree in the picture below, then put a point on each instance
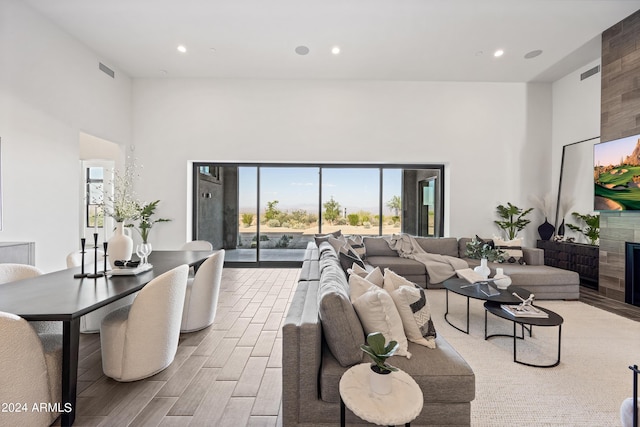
(272, 211)
(395, 204)
(331, 210)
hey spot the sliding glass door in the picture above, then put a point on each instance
(268, 213)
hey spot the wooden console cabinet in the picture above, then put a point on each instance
(582, 258)
(18, 252)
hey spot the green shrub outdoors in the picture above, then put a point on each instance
(285, 224)
(341, 221)
(353, 219)
(273, 223)
(247, 219)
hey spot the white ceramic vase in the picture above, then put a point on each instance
(120, 245)
(502, 280)
(483, 269)
(380, 383)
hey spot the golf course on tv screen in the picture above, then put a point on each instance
(616, 174)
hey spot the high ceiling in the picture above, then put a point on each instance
(452, 40)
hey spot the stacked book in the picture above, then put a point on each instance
(524, 311)
(484, 285)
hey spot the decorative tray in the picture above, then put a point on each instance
(130, 271)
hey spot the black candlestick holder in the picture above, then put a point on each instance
(82, 274)
(95, 273)
(104, 245)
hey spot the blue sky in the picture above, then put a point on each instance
(610, 153)
(297, 188)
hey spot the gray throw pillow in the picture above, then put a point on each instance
(340, 324)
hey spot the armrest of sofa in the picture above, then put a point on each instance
(533, 256)
(301, 351)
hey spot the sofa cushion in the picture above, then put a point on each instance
(378, 246)
(402, 266)
(442, 374)
(340, 324)
(439, 245)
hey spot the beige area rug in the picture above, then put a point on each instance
(585, 389)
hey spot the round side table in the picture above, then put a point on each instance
(401, 406)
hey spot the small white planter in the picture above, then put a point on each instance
(380, 383)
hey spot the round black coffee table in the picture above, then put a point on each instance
(554, 319)
(475, 291)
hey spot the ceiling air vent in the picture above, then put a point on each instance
(108, 71)
(589, 73)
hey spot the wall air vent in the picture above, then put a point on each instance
(589, 73)
(108, 71)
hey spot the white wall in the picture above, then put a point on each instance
(576, 117)
(50, 91)
(494, 138)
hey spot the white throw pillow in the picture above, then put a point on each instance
(356, 269)
(393, 281)
(358, 286)
(415, 312)
(375, 276)
(337, 242)
(378, 313)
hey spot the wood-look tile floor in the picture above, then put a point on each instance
(229, 374)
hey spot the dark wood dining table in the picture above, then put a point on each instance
(58, 296)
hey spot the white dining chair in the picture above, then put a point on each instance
(31, 372)
(197, 245)
(10, 272)
(141, 339)
(201, 299)
(90, 322)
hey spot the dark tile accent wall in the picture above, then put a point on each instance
(620, 117)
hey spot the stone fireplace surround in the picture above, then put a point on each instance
(620, 117)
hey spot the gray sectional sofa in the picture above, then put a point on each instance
(544, 281)
(321, 339)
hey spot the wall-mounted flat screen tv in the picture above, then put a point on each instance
(616, 174)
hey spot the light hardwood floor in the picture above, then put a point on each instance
(229, 374)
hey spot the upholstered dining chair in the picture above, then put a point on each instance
(141, 339)
(201, 299)
(10, 272)
(31, 372)
(90, 322)
(197, 245)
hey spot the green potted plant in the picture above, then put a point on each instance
(513, 219)
(590, 228)
(146, 222)
(379, 352)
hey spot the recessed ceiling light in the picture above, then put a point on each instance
(182, 49)
(533, 54)
(335, 50)
(302, 50)
(498, 53)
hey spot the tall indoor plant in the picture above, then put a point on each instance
(513, 219)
